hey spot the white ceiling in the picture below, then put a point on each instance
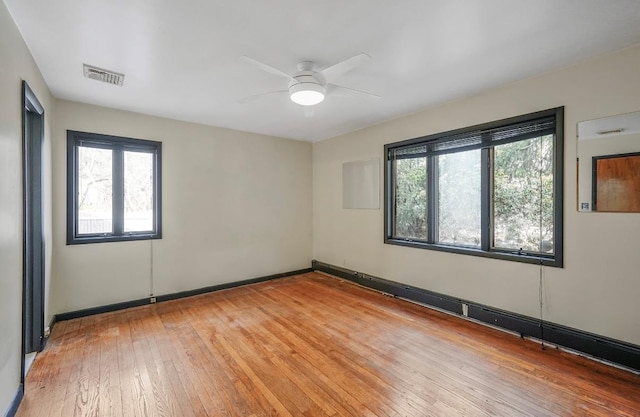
(182, 58)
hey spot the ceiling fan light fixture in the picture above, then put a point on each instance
(307, 94)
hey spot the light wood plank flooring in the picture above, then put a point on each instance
(309, 345)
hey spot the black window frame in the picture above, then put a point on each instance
(118, 145)
(486, 249)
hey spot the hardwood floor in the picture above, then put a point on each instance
(309, 345)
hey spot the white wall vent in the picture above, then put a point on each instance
(103, 75)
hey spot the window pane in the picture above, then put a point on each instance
(523, 195)
(94, 191)
(411, 198)
(138, 192)
(459, 198)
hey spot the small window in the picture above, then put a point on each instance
(491, 190)
(113, 188)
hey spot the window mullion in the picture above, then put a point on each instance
(391, 197)
(118, 191)
(157, 192)
(486, 198)
(72, 184)
(432, 198)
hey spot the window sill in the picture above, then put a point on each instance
(494, 254)
(103, 239)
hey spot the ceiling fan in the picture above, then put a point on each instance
(309, 86)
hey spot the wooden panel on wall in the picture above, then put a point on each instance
(617, 183)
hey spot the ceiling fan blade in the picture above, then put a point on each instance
(350, 91)
(265, 67)
(335, 71)
(257, 96)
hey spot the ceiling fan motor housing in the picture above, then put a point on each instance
(307, 88)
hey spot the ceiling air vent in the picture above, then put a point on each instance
(103, 75)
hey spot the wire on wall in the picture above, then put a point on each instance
(541, 298)
(151, 268)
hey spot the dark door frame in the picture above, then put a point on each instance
(33, 259)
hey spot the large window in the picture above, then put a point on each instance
(113, 188)
(492, 190)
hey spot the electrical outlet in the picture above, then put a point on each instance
(152, 300)
(465, 309)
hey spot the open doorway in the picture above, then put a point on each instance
(33, 256)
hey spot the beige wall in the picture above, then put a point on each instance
(16, 64)
(598, 288)
(235, 206)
